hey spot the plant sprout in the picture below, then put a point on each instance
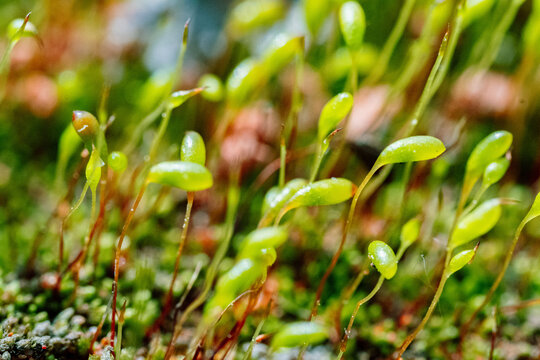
(275, 200)
(533, 213)
(186, 175)
(281, 52)
(477, 223)
(411, 149)
(191, 175)
(247, 16)
(245, 273)
(323, 192)
(269, 237)
(491, 148)
(456, 263)
(278, 67)
(352, 23)
(88, 129)
(118, 161)
(471, 225)
(17, 29)
(67, 146)
(492, 175)
(315, 13)
(332, 113)
(243, 80)
(213, 88)
(385, 261)
(298, 334)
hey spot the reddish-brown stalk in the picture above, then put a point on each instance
(235, 331)
(117, 258)
(167, 303)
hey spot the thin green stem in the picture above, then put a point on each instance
(432, 84)
(457, 28)
(166, 116)
(149, 119)
(142, 125)
(353, 288)
(475, 200)
(429, 89)
(343, 345)
(282, 162)
(118, 347)
(390, 44)
(4, 63)
(316, 163)
(61, 240)
(501, 27)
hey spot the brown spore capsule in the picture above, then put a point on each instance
(86, 125)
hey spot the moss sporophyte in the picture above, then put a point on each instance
(268, 190)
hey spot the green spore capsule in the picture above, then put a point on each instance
(495, 171)
(323, 192)
(212, 87)
(383, 258)
(352, 22)
(15, 29)
(491, 148)
(438, 16)
(410, 232)
(266, 256)
(86, 125)
(531, 32)
(185, 175)
(69, 143)
(459, 260)
(153, 90)
(299, 334)
(243, 80)
(252, 14)
(177, 98)
(118, 161)
(411, 149)
(475, 9)
(332, 113)
(269, 237)
(477, 223)
(279, 199)
(339, 64)
(534, 211)
(193, 148)
(282, 51)
(241, 276)
(315, 13)
(269, 197)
